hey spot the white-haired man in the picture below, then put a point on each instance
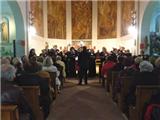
(11, 93)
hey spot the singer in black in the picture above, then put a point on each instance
(83, 61)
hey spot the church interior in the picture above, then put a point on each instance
(80, 59)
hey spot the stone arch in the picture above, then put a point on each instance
(19, 25)
(148, 22)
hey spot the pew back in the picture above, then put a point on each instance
(125, 84)
(143, 94)
(9, 112)
(113, 80)
(53, 82)
(32, 96)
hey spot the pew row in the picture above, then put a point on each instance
(143, 94)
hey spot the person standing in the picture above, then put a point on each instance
(83, 61)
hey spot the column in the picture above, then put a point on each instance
(27, 27)
(68, 22)
(137, 27)
(118, 19)
(94, 22)
(45, 20)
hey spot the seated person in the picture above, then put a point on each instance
(49, 67)
(61, 63)
(12, 94)
(144, 77)
(151, 110)
(119, 65)
(17, 63)
(107, 66)
(30, 78)
(157, 68)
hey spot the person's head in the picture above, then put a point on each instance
(5, 61)
(120, 59)
(146, 57)
(32, 51)
(157, 62)
(128, 61)
(104, 49)
(16, 61)
(84, 48)
(138, 60)
(110, 58)
(40, 59)
(8, 72)
(48, 61)
(33, 59)
(145, 66)
(25, 59)
(59, 58)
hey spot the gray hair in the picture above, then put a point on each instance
(5, 60)
(15, 61)
(59, 58)
(8, 72)
(138, 60)
(146, 66)
(157, 62)
(47, 61)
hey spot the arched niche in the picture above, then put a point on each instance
(12, 11)
(149, 21)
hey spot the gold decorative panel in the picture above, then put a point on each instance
(127, 7)
(37, 12)
(107, 19)
(56, 19)
(81, 19)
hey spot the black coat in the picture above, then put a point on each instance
(83, 59)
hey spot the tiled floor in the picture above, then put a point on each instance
(85, 102)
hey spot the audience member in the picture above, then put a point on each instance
(12, 94)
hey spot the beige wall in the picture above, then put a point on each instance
(126, 41)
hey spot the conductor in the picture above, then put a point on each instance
(83, 61)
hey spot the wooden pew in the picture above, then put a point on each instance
(9, 112)
(53, 82)
(143, 94)
(125, 84)
(113, 80)
(108, 81)
(32, 96)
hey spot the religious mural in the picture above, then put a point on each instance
(56, 19)
(127, 7)
(107, 19)
(5, 30)
(81, 19)
(37, 13)
(6, 46)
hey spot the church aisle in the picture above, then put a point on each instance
(85, 102)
